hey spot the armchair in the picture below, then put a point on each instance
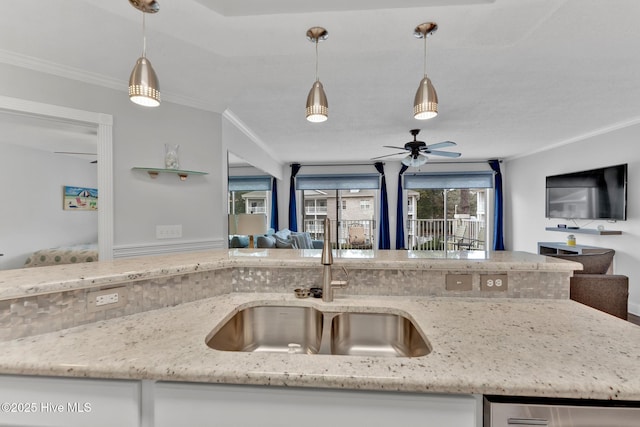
(595, 288)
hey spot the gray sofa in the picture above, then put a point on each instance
(595, 288)
(287, 239)
(283, 239)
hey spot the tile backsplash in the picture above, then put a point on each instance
(36, 314)
(31, 315)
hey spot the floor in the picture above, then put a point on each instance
(633, 319)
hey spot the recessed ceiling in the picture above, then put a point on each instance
(261, 7)
(512, 76)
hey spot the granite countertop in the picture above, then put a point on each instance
(553, 348)
(41, 280)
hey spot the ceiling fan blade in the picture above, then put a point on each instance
(391, 146)
(442, 144)
(442, 153)
(387, 155)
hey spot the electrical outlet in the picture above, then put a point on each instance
(106, 299)
(493, 282)
(168, 231)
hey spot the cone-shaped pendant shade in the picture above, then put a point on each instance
(425, 104)
(317, 105)
(144, 88)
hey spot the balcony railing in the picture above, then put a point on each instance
(352, 234)
(440, 234)
(422, 234)
(315, 210)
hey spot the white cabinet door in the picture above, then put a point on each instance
(230, 405)
(68, 402)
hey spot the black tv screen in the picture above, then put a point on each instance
(591, 194)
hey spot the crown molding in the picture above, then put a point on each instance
(582, 137)
(246, 130)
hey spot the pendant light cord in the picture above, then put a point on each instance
(425, 55)
(144, 36)
(317, 78)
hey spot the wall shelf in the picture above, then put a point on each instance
(585, 231)
(182, 174)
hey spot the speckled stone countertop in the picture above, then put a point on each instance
(33, 281)
(553, 348)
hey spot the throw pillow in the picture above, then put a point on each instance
(303, 240)
(239, 242)
(284, 243)
(266, 242)
(283, 234)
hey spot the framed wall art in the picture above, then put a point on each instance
(80, 198)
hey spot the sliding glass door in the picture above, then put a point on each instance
(447, 211)
(348, 201)
(351, 213)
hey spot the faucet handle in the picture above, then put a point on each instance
(341, 283)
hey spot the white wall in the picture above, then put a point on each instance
(525, 199)
(31, 208)
(139, 135)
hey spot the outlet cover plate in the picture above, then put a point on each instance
(494, 282)
(169, 231)
(459, 282)
(105, 296)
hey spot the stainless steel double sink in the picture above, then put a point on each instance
(307, 330)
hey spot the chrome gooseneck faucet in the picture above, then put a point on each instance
(328, 285)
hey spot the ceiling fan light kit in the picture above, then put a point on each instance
(317, 110)
(144, 88)
(411, 161)
(425, 103)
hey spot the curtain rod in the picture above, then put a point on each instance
(371, 164)
(334, 164)
(484, 162)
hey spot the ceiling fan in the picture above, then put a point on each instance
(418, 149)
(73, 153)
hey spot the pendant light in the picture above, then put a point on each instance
(317, 105)
(144, 88)
(425, 104)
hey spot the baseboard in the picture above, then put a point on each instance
(127, 251)
(634, 308)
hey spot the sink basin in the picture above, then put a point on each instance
(295, 329)
(376, 334)
(272, 329)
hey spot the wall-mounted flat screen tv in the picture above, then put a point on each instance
(591, 194)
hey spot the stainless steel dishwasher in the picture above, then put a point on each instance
(502, 411)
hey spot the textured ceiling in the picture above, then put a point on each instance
(512, 76)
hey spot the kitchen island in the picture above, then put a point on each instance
(545, 347)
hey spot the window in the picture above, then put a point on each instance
(341, 198)
(448, 210)
(249, 194)
(365, 205)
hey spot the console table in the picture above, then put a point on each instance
(553, 248)
(559, 248)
